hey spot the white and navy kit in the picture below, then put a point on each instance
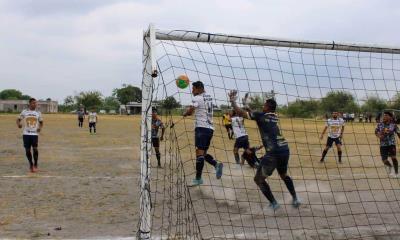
(242, 138)
(334, 131)
(30, 120)
(204, 128)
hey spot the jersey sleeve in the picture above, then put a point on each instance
(377, 129)
(255, 115)
(21, 115)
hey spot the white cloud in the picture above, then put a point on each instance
(53, 48)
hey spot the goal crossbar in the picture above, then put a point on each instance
(193, 36)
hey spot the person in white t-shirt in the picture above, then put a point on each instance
(32, 121)
(202, 107)
(93, 119)
(335, 125)
(241, 136)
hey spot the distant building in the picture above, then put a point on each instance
(19, 105)
(133, 108)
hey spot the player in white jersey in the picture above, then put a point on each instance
(241, 136)
(33, 122)
(93, 119)
(202, 107)
(335, 125)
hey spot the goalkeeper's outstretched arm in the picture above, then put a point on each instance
(241, 112)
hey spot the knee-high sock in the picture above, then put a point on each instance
(210, 159)
(237, 158)
(387, 163)
(158, 155)
(266, 190)
(396, 165)
(29, 156)
(35, 157)
(340, 155)
(290, 186)
(324, 154)
(199, 166)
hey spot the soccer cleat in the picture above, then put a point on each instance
(296, 202)
(31, 170)
(34, 169)
(197, 182)
(218, 170)
(274, 205)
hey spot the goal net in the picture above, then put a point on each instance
(354, 199)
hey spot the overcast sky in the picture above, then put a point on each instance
(55, 48)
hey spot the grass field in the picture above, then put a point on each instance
(88, 185)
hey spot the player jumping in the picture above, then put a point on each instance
(335, 134)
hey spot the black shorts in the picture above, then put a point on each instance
(155, 142)
(80, 119)
(272, 160)
(30, 141)
(330, 141)
(92, 124)
(202, 138)
(242, 142)
(387, 151)
(229, 126)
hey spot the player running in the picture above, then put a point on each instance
(202, 107)
(33, 123)
(385, 131)
(335, 134)
(276, 149)
(156, 124)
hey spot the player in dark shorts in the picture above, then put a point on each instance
(276, 149)
(81, 117)
(156, 124)
(335, 127)
(32, 123)
(386, 131)
(202, 108)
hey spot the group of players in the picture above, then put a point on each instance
(276, 147)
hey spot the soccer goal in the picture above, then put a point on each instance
(354, 199)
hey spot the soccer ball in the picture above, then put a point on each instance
(182, 81)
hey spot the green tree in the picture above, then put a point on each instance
(25, 97)
(11, 94)
(90, 99)
(374, 104)
(395, 102)
(302, 108)
(339, 101)
(256, 102)
(128, 93)
(170, 103)
(111, 103)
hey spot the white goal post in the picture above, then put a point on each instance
(151, 35)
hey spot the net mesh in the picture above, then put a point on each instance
(355, 199)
